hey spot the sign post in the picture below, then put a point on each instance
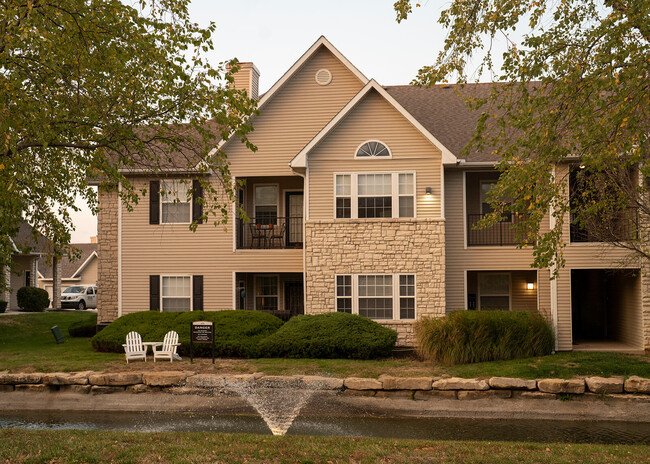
(201, 332)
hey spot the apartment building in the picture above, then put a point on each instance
(358, 202)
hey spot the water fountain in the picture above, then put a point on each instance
(278, 400)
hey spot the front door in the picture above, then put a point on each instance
(293, 208)
(294, 298)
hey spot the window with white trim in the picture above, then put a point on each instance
(343, 193)
(344, 294)
(266, 293)
(374, 195)
(176, 293)
(372, 149)
(407, 296)
(175, 204)
(266, 204)
(377, 296)
(493, 291)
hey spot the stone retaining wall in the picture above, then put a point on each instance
(417, 388)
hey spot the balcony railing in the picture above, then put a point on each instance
(270, 233)
(618, 226)
(501, 233)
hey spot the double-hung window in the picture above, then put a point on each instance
(266, 204)
(374, 195)
(176, 293)
(494, 290)
(266, 293)
(377, 296)
(175, 205)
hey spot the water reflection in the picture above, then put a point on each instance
(547, 431)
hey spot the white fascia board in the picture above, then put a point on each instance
(322, 41)
(300, 159)
(93, 255)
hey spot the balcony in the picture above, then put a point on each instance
(500, 234)
(270, 233)
(617, 226)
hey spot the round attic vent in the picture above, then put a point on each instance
(323, 76)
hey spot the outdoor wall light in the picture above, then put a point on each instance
(429, 191)
(530, 285)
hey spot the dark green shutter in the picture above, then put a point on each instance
(197, 205)
(197, 292)
(154, 202)
(154, 293)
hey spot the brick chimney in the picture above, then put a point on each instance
(248, 79)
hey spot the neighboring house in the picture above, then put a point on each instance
(81, 271)
(30, 252)
(358, 203)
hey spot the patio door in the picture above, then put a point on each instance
(293, 209)
(294, 298)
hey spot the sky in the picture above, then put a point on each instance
(274, 34)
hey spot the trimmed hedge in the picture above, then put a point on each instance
(477, 336)
(237, 333)
(86, 327)
(32, 299)
(331, 335)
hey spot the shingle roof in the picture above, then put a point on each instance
(68, 268)
(27, 240)
(443, 112)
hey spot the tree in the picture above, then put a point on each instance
(91, 88)
(576, 88)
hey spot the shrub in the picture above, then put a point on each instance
(32, 299)
(477, 336)
(3, 306)
(237, 333)
(332, 335)
(86, 327)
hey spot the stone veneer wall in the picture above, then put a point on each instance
(645, 306)
(107, 253)
(381, 246)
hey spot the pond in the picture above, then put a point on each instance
(546, 431)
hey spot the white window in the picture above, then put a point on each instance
(493, 291)
(344, 293)
(343, 194)
(372, 149)
(377, 296)
(175, 206)
(176, 293)
(266, 204)
(266, 293)
(374, 195)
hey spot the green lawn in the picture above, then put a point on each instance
(28, 446)
(26, 344)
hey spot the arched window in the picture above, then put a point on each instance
(372, 149)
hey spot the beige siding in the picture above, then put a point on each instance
(582, 256)
(172, 249)
(487, 258)
(295, 114)
(578, 256)
(627, 324)
(374, 119)
(286, 123)
(21, 264)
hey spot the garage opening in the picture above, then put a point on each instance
(606, 309)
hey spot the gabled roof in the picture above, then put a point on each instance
(321, 42)
(72, 269)
(300, 160)
(30, 241)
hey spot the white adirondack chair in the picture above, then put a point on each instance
(168, 348)
(133, 348)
